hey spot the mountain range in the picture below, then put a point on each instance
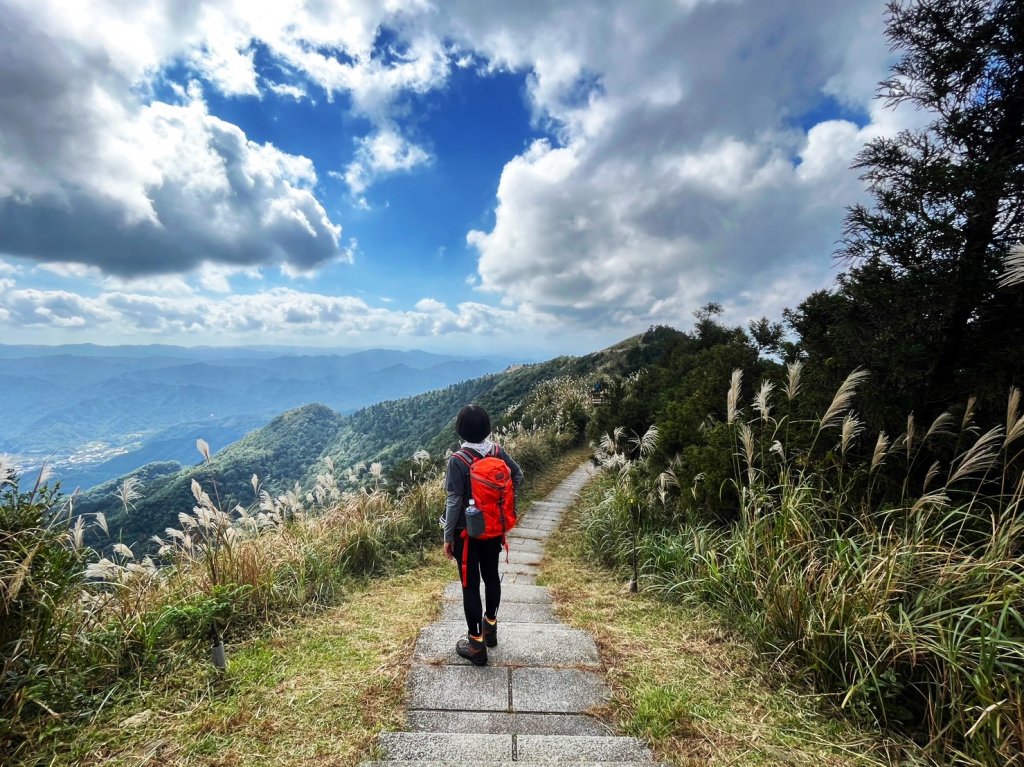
(291, 448)
(94, 413)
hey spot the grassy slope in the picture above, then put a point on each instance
(697, 694)
(316, 689)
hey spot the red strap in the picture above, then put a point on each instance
(465, 556)
(466, 457)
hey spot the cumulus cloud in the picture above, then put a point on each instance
(683, 164)
(384, 152)
(94, 170)
(280, 312)
(685, 170)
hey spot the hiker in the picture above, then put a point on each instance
(476, 557)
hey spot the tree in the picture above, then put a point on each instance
(920, 305)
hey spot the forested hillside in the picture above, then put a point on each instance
(292, 447)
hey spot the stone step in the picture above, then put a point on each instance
(497, 723)
(504, 688)
(520, 557)
(508, 613)
(525, 545)
(506, 763)
(532, 533)
(457, 747)
(537, 524)
(517, 567)
(459, 688)
(519, 644)
(527, 579)
(513, 593)
(557, 690)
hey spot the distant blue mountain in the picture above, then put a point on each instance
(88, 409)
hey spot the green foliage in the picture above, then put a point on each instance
(921, 307)
(909, 613)
(40, 573)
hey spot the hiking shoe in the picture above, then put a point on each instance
(490, 632)
(473, 650)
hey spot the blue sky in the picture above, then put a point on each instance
(537, 178)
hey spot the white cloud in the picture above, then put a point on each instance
(276, 313)
(384, 152)
(94, 171)
(681, 169)
(9, 269)
(284, 89)
(682, 172)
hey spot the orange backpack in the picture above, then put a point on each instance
(491, 490)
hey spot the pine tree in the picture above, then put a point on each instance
(920, 305)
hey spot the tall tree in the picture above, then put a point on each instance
(925, 259)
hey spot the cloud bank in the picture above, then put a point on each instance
(695, 151)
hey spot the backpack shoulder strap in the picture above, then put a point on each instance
(468, 457)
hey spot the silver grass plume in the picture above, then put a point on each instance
(936, 500)
(851, 430)
(879, 453)
(76, 535)
(645, 445)
(909, 436)
(747, 438)
(1014, 421)
(204, 449)
(128, 492)
(123, 551)
(981, 456)
(733, 398)
(761, 403)
(940, 426)
(1014, 267)
(933, 472)
(968, 419)
(793, 370)
(841, 400)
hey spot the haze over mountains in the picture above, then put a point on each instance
(95, 413)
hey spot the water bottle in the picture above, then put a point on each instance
(474, 520)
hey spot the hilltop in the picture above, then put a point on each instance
(290, 449)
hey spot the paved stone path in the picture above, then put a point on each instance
(530, 704)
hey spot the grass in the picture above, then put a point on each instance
(695, 693)
(315, 688)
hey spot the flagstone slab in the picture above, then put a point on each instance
(565, 748)
(511, 612)
(458, 688)
(516, 593)
(519, 644)
(532, 533)
(526, 545)
(504, 763)
(496, 723)
(520, 557)
(560, 690)
(445, 746)
(518, 567)
(521, 578)
(540, 524)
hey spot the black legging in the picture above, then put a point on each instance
(481, 562)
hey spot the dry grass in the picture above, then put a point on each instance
(697, 695)
(313, 688)
(316, 691)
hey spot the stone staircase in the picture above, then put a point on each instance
(530, 705)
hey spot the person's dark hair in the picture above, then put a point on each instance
(473, 424)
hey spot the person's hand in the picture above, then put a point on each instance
(448, 551)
